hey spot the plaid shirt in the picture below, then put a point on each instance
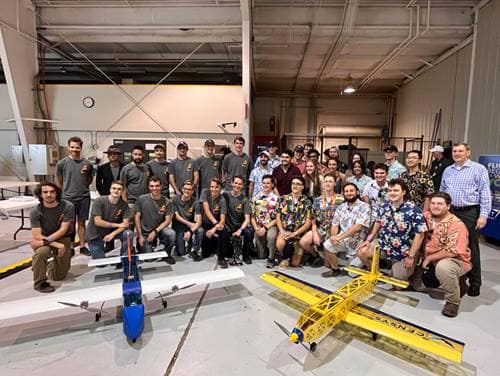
(468, 185)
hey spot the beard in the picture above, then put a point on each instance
(138, 160)
(351, 199)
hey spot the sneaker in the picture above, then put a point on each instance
(450, 310)
(331, 273)
(463, 285)
(270, 263)
(84, 251)
(247, 260)
(317, 262)
(194, 255)
(45, 287)
(222, 264)
(473, 291)
(170, 260)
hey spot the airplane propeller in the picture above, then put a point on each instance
(172, 291)
(85, 306)
(313, 345)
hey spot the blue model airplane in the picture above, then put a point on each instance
(131, 290)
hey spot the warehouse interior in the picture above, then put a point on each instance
(423, 72)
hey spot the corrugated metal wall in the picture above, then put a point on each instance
(484, 127)
(442, 87)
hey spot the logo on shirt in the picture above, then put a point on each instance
(60, 219)
(162, 209)
(244, 164)
(189, 167)
(239, 208)
(215, 164)
(118, 213)
(84, 169)
(216, 209)
(190, 210)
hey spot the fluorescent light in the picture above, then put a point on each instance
(349, 89)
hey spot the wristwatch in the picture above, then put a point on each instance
(45, 242)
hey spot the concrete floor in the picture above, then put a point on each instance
(232, 332)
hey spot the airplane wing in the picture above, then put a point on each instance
(118, 259)
(304, 291)
(404, 332)
(52, 302)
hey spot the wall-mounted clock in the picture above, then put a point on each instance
(88, 102)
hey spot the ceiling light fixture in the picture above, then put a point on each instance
(349, 89)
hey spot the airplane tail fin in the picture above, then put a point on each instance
(375, 271)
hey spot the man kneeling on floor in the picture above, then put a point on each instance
(400, 227)
(446, 255)
(51, 224)
(109, 218)
(349, 228)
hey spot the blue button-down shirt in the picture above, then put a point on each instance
(468, 185)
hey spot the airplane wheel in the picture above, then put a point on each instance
(134, 340)
(374, 336)
(164, 304)
(97, 317)
(313, 346)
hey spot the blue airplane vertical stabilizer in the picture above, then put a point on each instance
(133, 310)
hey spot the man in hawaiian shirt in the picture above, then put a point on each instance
(375, 193)
(255, 186)
(263, 220)
(420, 184)
(447, 251)
(324, 208)
(349, 228)
(294, 219)
(400, 227)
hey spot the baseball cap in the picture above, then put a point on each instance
(159, 146)
(265, 152)
(299, 148)
(391, 148)
(209, 142)
(437, 148)
(113, 149)
(182, 145)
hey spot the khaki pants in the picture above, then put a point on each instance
(55, 270)
(448, 272)
(269, 241)
(400, 272)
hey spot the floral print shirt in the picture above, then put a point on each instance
(420, 185)
(292, 214)
(398, 227)
(264, 208)
(347, 216)
(256, 178)
(323, 210)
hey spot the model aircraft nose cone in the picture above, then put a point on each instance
(294, 338)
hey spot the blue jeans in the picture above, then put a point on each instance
(166, 237)
(195, 239)
(96, 246)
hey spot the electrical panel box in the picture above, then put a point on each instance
(17, 154)
(43, 159)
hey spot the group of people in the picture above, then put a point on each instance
(287, 207)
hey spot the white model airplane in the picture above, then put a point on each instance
(130, 290)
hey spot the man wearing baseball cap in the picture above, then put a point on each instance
(159, 166)
(391, 160)
(208, 165)
(274, 158)
(110, 171)
(255, 186)
(182, 168)
(438, 165)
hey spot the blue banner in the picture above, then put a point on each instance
(492, 164)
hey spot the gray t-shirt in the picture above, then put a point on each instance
(75, 176)
(217, 206)
(153, 212)
(109, 212)
(182, 170)
(160, 170)
(186, 210)
(50, 219)
(237, 207)
(233, 165)
(135, 178)
(209, 168)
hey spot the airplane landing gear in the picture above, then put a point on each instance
(97, 316)
(313, 346)
(374, 336)
(164, 304)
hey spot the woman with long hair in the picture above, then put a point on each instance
(313, 180)
(332, 168)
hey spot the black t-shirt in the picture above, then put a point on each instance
(50, 219)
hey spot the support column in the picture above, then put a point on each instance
(246, 73)
(18, 53)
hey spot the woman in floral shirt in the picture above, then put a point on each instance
(323, 210)
(294, 220)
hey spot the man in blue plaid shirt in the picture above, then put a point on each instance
(468, 185)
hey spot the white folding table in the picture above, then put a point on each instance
(18, 203)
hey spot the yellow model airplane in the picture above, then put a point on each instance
(327, 309)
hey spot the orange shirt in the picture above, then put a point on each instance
(449, 234)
